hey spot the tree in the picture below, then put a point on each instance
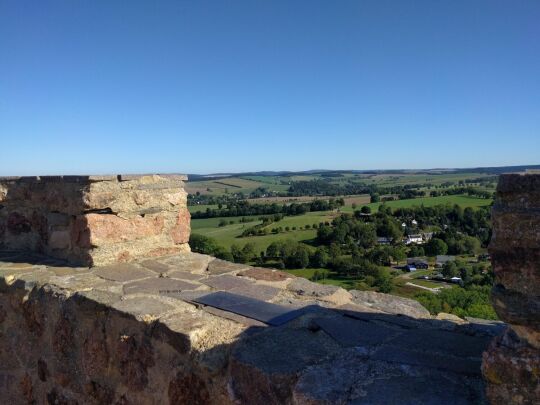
(203, 244)
(236, 252)
(296, 256)
(244, 254)
(273, 250)
(388, 227)
(249, 253)
(383, 281)
(435, 247)
(320, 257)
(365, 210)
(364, 235)
(449, 270)
(471, 244)
(398, 253)
(416, 251)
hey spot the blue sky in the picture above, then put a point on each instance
(228, 86)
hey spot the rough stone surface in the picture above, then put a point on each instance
(261, 273)
(133, 333)
(390, 303)
(511, 366)
(91, 220)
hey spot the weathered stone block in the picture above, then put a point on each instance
(95, 220)
(511, 364)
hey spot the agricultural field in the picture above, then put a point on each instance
(229, 234)
(201, 207)
(246, 184)
(231, 185)
(461, 200)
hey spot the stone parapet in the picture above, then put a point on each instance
(512, 364)
(95, 220)
(137, 333)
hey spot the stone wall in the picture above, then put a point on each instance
(95, 220)
(511, 366)
(134, 333)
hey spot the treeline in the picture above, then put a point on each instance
(244, 208)
(471, 191)
(320, 187)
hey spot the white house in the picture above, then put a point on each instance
(416, 239)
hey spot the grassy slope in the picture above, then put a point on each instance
(462, 200)
(228, 235)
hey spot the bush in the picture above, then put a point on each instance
(470, 301)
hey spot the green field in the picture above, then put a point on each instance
(230, 185)
(461, 200)
(202, 207)
(229, 234)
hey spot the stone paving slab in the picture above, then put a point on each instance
(123, 272)
(419, 357)
(192, 262)
(66, 271)
(218, 266)
(156, 266)
(350, 332)
(140, 306)
(226, 282)
(266, 312)
(390, 303)
(440, 341)
(264, 274)
(234, 317)
(304, 287)
(377, 317)
(158, 286)
(258, 291)
(184, 275)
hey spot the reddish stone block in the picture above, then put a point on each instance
(108, 228)
(181, 231)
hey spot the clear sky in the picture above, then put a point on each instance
(227, 86)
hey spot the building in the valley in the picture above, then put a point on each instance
(441, 260)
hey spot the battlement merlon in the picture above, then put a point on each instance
(95, 220)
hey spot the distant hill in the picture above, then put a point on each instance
(337, 173)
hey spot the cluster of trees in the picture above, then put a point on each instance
(471, 191)
(209, 199)
(294, 255)
(327, 188)
(238, 208)
(472, 301)
(469, 221)
(475, 274)
(260, 229)
(361, 230)
(208, 246)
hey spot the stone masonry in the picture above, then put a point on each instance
(134, 333)
(95, 220)
(101, 302)
(511, 366)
